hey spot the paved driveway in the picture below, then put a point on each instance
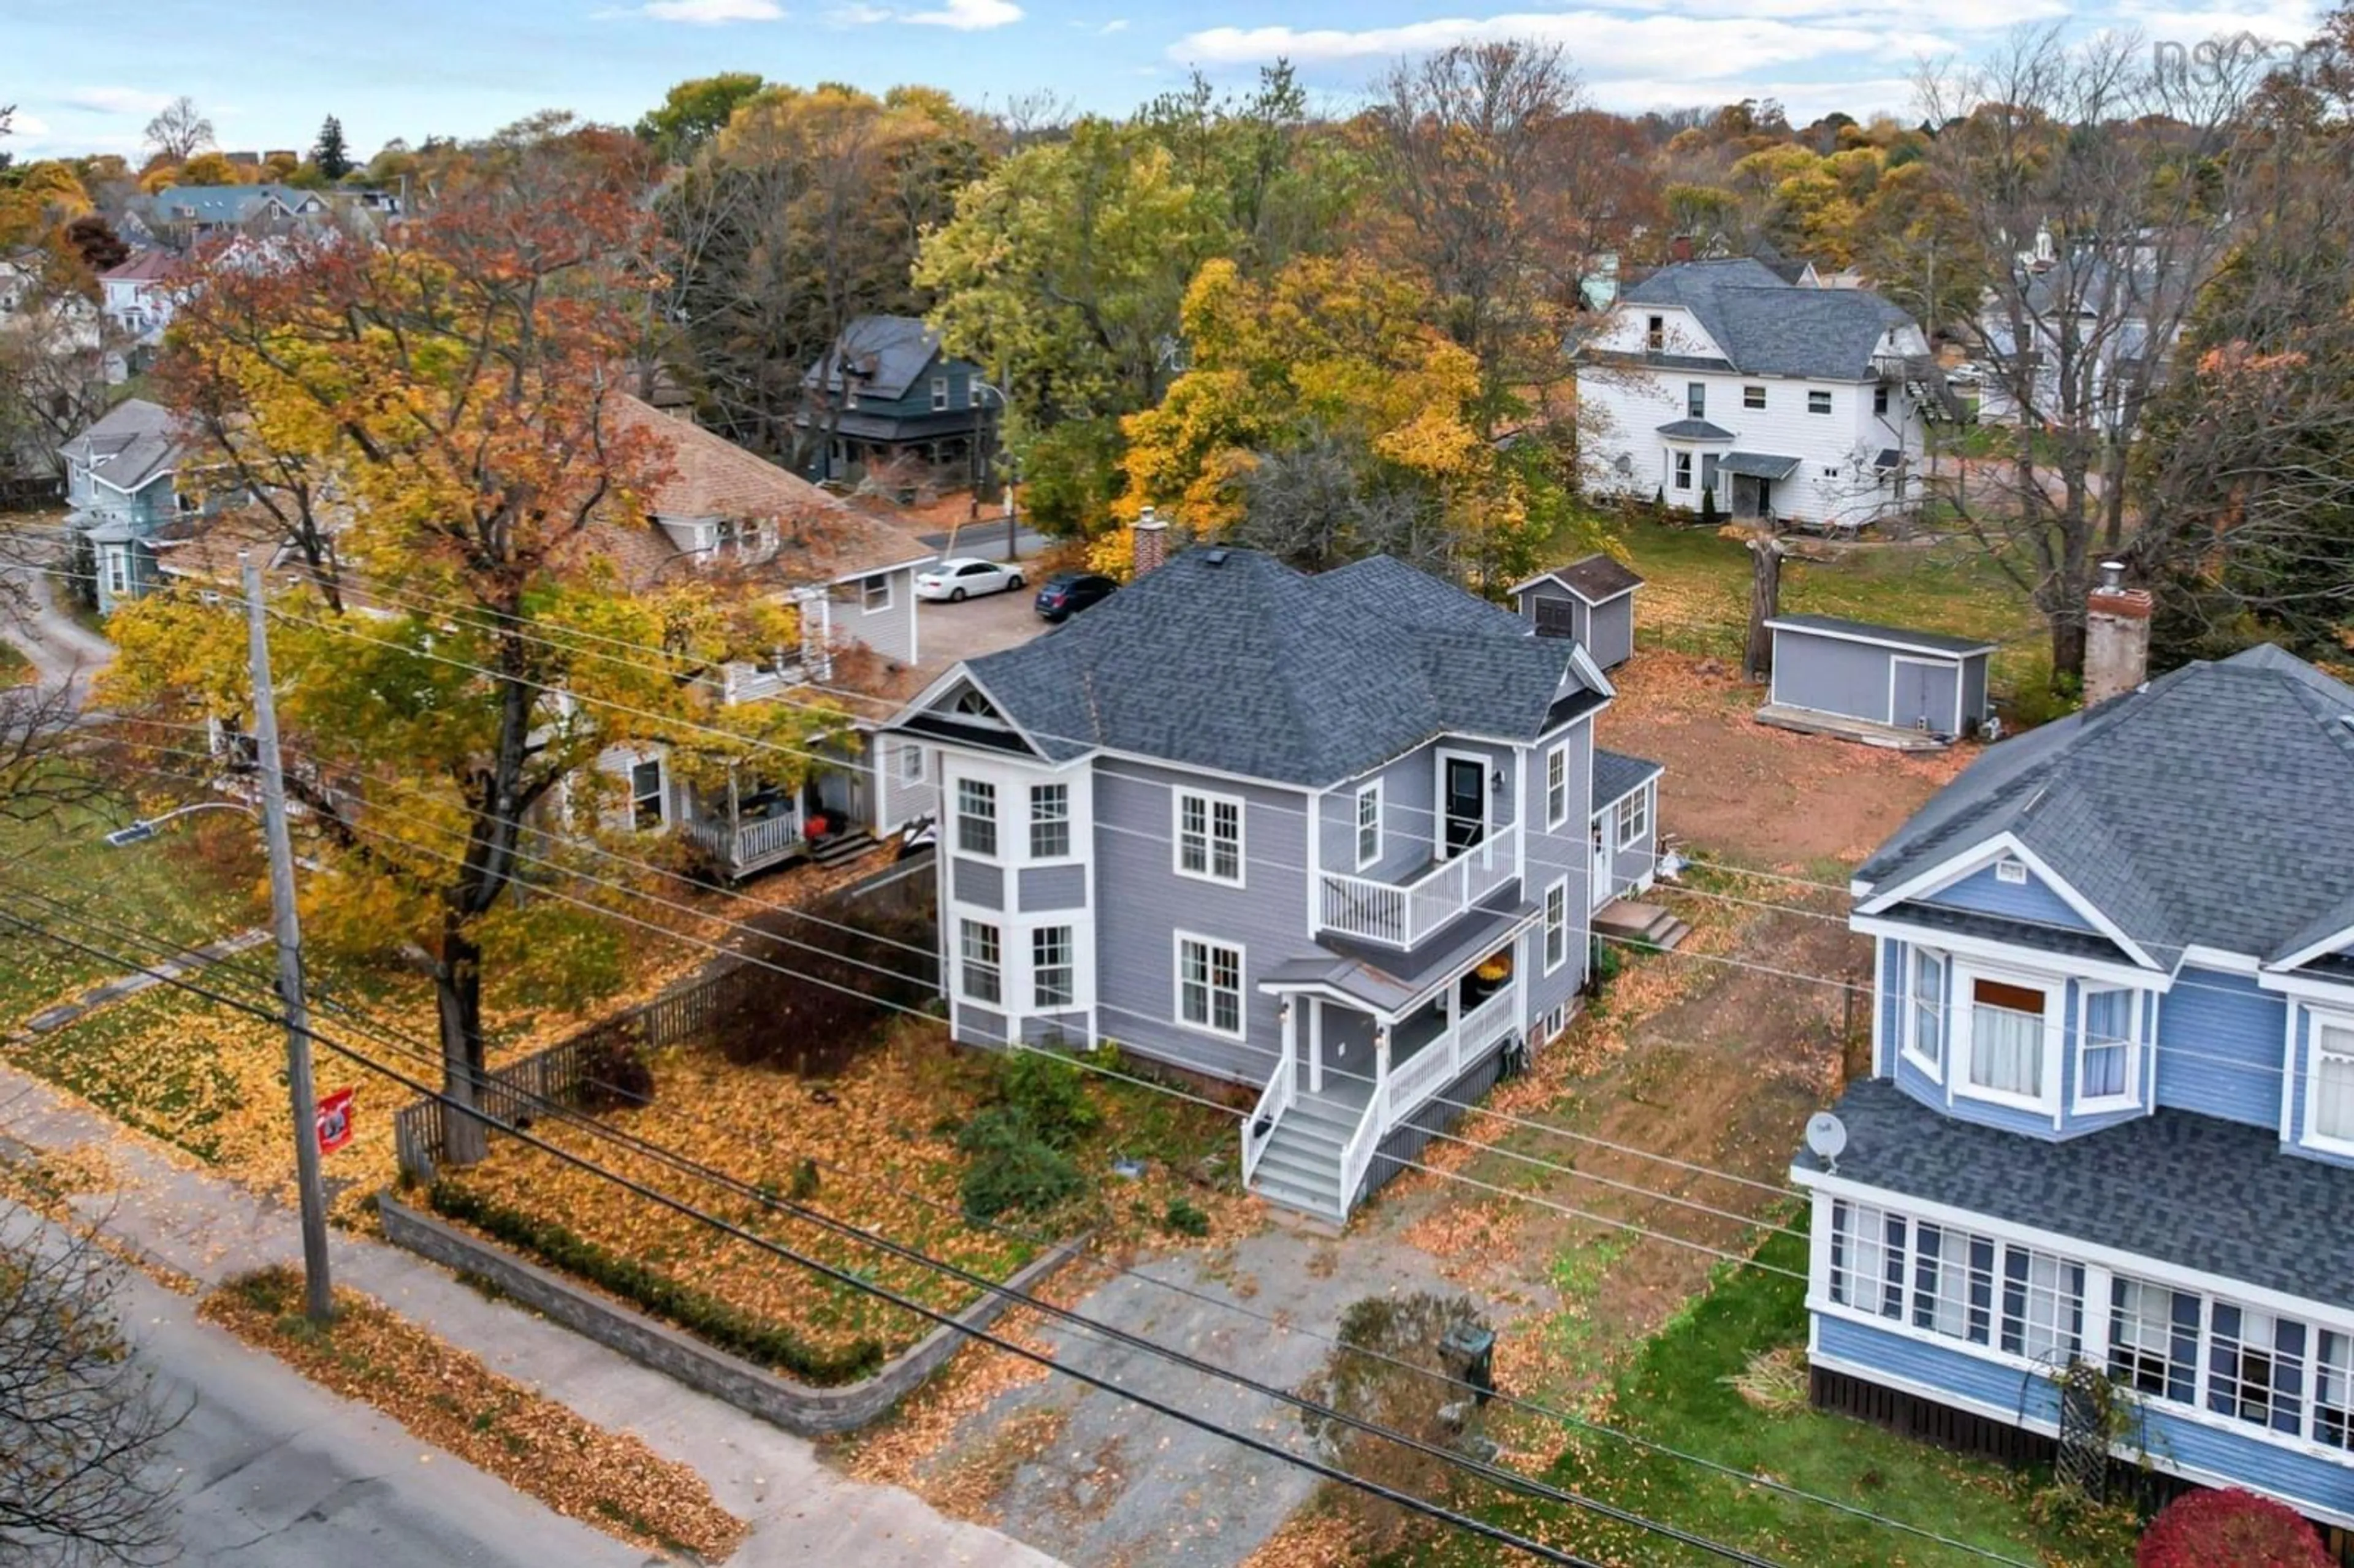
(947, 632)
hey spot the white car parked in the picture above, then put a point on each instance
(964, 576)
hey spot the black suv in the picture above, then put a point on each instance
(1066, 594)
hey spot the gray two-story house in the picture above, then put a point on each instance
(885, 392)
(1326, 836)
(119, 483)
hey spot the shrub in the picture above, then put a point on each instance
(2206, 1528)
(1049, 1093)
(613, 1073)
(1709, 518)
(715, 1322)
(1185, 1219)
(844, 968)
(1013, 1167)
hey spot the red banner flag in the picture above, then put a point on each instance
(335, 1121)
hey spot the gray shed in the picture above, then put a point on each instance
(1592, 600)
(1891, 677)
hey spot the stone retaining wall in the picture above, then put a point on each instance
(795, 1407)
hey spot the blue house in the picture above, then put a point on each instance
(2111, 1114)
(885, 392)
(118, 481)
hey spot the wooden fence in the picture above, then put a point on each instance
(519, 1091)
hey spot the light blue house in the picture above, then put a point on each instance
(2110, 1116)
(118, 481)
(1331, 837)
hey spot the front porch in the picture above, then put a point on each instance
(753, 825)
(1353, 1071)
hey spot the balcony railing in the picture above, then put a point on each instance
(1399, 915)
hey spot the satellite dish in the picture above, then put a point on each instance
(1827, 1136)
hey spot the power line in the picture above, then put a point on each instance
(1510, 1480)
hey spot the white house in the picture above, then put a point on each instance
(1803, 404)
(137, 300)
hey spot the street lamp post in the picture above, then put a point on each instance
(1012, 541)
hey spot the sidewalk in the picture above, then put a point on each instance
(799, 1510)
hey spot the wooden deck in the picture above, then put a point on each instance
(1807, 721)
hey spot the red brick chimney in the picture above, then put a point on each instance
(1679, 248)
(2116, 636)
(1151, 542)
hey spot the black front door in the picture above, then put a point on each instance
(1466, 803)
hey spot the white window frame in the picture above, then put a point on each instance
(1556, 925)
(968, 965)
(875, 594)
(1630, 818)
(1068, 966)
(1752, 396)
(911, 763)
(1210, 947)
(1695, 400)
(661, 796)
(1961, 1028)
(939, 393)
(1909, 1029)
(1368, 828)
(1209, 837)
(1556, 785)
(1040, 794)
(1818, 400)
(2130, 1096)
(117, 572)
(965, 818)
(2316, 1021)
(1680, 469)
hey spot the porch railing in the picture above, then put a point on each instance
(1258, 1130)
(1442, 1061)
(1400, 914)
(747, 846)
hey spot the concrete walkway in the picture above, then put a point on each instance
(800, 1511)
(51, 1019)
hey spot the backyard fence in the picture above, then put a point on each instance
(571, 1071)
(28, 493)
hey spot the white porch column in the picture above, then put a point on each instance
(1381, 1073)
(1315, 1045)
(1290, 1009)
(1453, 1027)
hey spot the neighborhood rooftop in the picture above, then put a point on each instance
(1891, 636)
(2214, 806)
(1618, 774)
(1768, 327)
(131, 445)
(1227, 658)
(886, 353)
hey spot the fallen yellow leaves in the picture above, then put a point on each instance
(444, 1396)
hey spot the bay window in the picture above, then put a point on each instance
(2256, 1367)
(2104, 1048)
(976, 817)
(983, 968)
(1050, 821)
(1868, 1258)
(2042, 1304)
(1051, 969)
(2329, 1089)
(1924, 1039)
(2006, 1053)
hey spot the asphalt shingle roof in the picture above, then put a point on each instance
(1694, 430)
(889, 352)
(133, 444)
(2215, 806)
(1895, 636)
(1617, 775)
(1228, 659)
(2195, 1191)
(1593, 578)
(1769, 327)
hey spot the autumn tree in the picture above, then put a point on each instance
(692, 112)
(94, 242)
(455, 392)
(2103, 192)
(179, 131)
(331, 158)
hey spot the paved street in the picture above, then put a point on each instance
(62, 651)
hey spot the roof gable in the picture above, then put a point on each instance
(2213, 807)
(886, 355)
(1765, 326)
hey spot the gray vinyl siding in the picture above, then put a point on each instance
(978, 881)
(1064, 1031)
(979, 1025)
(901, 802)
(1552, 593)
(1563, 853)
(1610, 631)
(1974, 692)
(1832, 675)
(891, 633)
(1053, 886)
(1409, 811)
(1987, 893)
(1148, 902)
(1923, 695)
(2219, 1039)
(1630, 866)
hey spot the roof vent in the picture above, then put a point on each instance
(1216, 558)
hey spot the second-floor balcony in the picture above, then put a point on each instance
(1402, 914)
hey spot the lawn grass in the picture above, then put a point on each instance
(13, 666)
(1674, 1392)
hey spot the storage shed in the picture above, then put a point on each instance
(1592, 600)
(1885, 683)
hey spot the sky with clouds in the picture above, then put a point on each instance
(86, 74)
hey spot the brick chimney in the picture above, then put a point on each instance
(2116, 636)
(1680, 247)
(1151, 542)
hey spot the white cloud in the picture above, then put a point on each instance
(969, 15)
(715, 13)
(115, 99)
(31, 127)
(1601, 44)
(857, 16)
(2284, 19)
(1117, 25)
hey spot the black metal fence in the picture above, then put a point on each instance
(563, 1072)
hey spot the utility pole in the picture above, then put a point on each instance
(319, 1301)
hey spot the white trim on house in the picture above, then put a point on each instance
(1948, 656)
(2316, 1019)
(1211, 800)
(2006, 952)
(1961, 1034)
(1558, 888)
(1575, 592)
(1210, 947)
(1879, 1010)
(1953, 665)
(1556, 756)
(1628, 836)
(1358, 825)
(1985, 852)
(1908, 1024)
(2129, 1098)
(2329, 993)
(1440, 755)
(2312, 951)
(2196, 957)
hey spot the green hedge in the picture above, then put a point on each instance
(708, 1318)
